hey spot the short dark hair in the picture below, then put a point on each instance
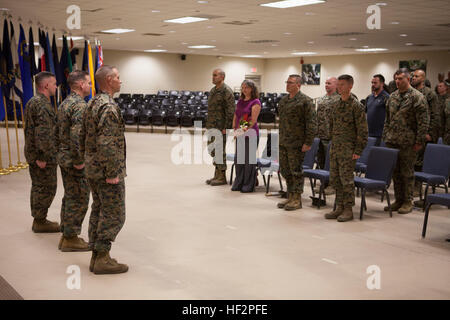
(297, 77)
(400, 71)
(75, 76)
(249, 83)
(42, 76)
(347, 78)
(379, 76)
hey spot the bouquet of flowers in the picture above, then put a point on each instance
(243, 126)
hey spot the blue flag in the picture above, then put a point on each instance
(50, 55)
(33, 68)
(2, 108)
(25, 68)
(58, 71)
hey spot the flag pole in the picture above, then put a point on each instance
(24, 164)
(19, 164)
(11, 168)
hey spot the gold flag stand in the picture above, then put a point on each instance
(2, 170)
(11, 168)
(25, 164)
(19, 164)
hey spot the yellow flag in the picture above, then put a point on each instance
(91, 69)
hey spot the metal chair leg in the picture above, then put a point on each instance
(312, 187)
(268, 183)
(231, 175)
(279, 180)
(388, 202)
(321, 191)
(361, 209)
(425, 219)
(425, 197)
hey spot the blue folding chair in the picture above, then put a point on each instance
(323, 175)
(310, 155)
(436, 168)
(440, 140)
(442, 199)
(380, 166)
(361, 163)
(268, 163)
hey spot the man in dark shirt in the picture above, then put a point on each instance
(376, 108)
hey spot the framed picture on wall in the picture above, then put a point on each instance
(311, 74)
(413, 65)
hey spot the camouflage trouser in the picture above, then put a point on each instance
(291, 167)
(43, 189)
(75, 201)
(341, 177)
(212, 151)
(403, 174)
(420, 155)
(107, 213)
(322, 152)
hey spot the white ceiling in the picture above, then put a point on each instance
(308, 25)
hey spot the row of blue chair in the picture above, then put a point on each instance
(377, 163)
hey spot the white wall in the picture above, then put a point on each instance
(148, 72)
(143, 72)
(361, 67)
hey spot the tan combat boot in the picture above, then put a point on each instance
(295, 203)
(395, 206)
(220, 180)
(105, 265)
(93, 258)
(282, 204)
(335, 213)
(74, 244)
(45, 226)
(346, 215)
(407, 207)
(60, 242)
(215, 176)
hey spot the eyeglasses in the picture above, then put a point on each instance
(290, 82)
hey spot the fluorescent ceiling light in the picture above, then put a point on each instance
(403, 35)
(303, 53)
(118, 30)
(186, 20)
(291, 3)
(155, 11)
(371, 49)
(155, 50)
(409, 44)
(202, 47)
(252, 56)
(73, 38)
(395, 22)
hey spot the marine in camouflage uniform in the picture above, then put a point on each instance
(434, 128)
(324, 109)
(221, 107)
(40, 145)
(442, 109)
(406, 125)
(76, 189)
(297, 129)
(349, 134)
(105, 159)
(446, 124)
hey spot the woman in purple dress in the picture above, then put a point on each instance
(245, 124)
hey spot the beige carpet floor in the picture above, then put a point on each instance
(185, 240)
